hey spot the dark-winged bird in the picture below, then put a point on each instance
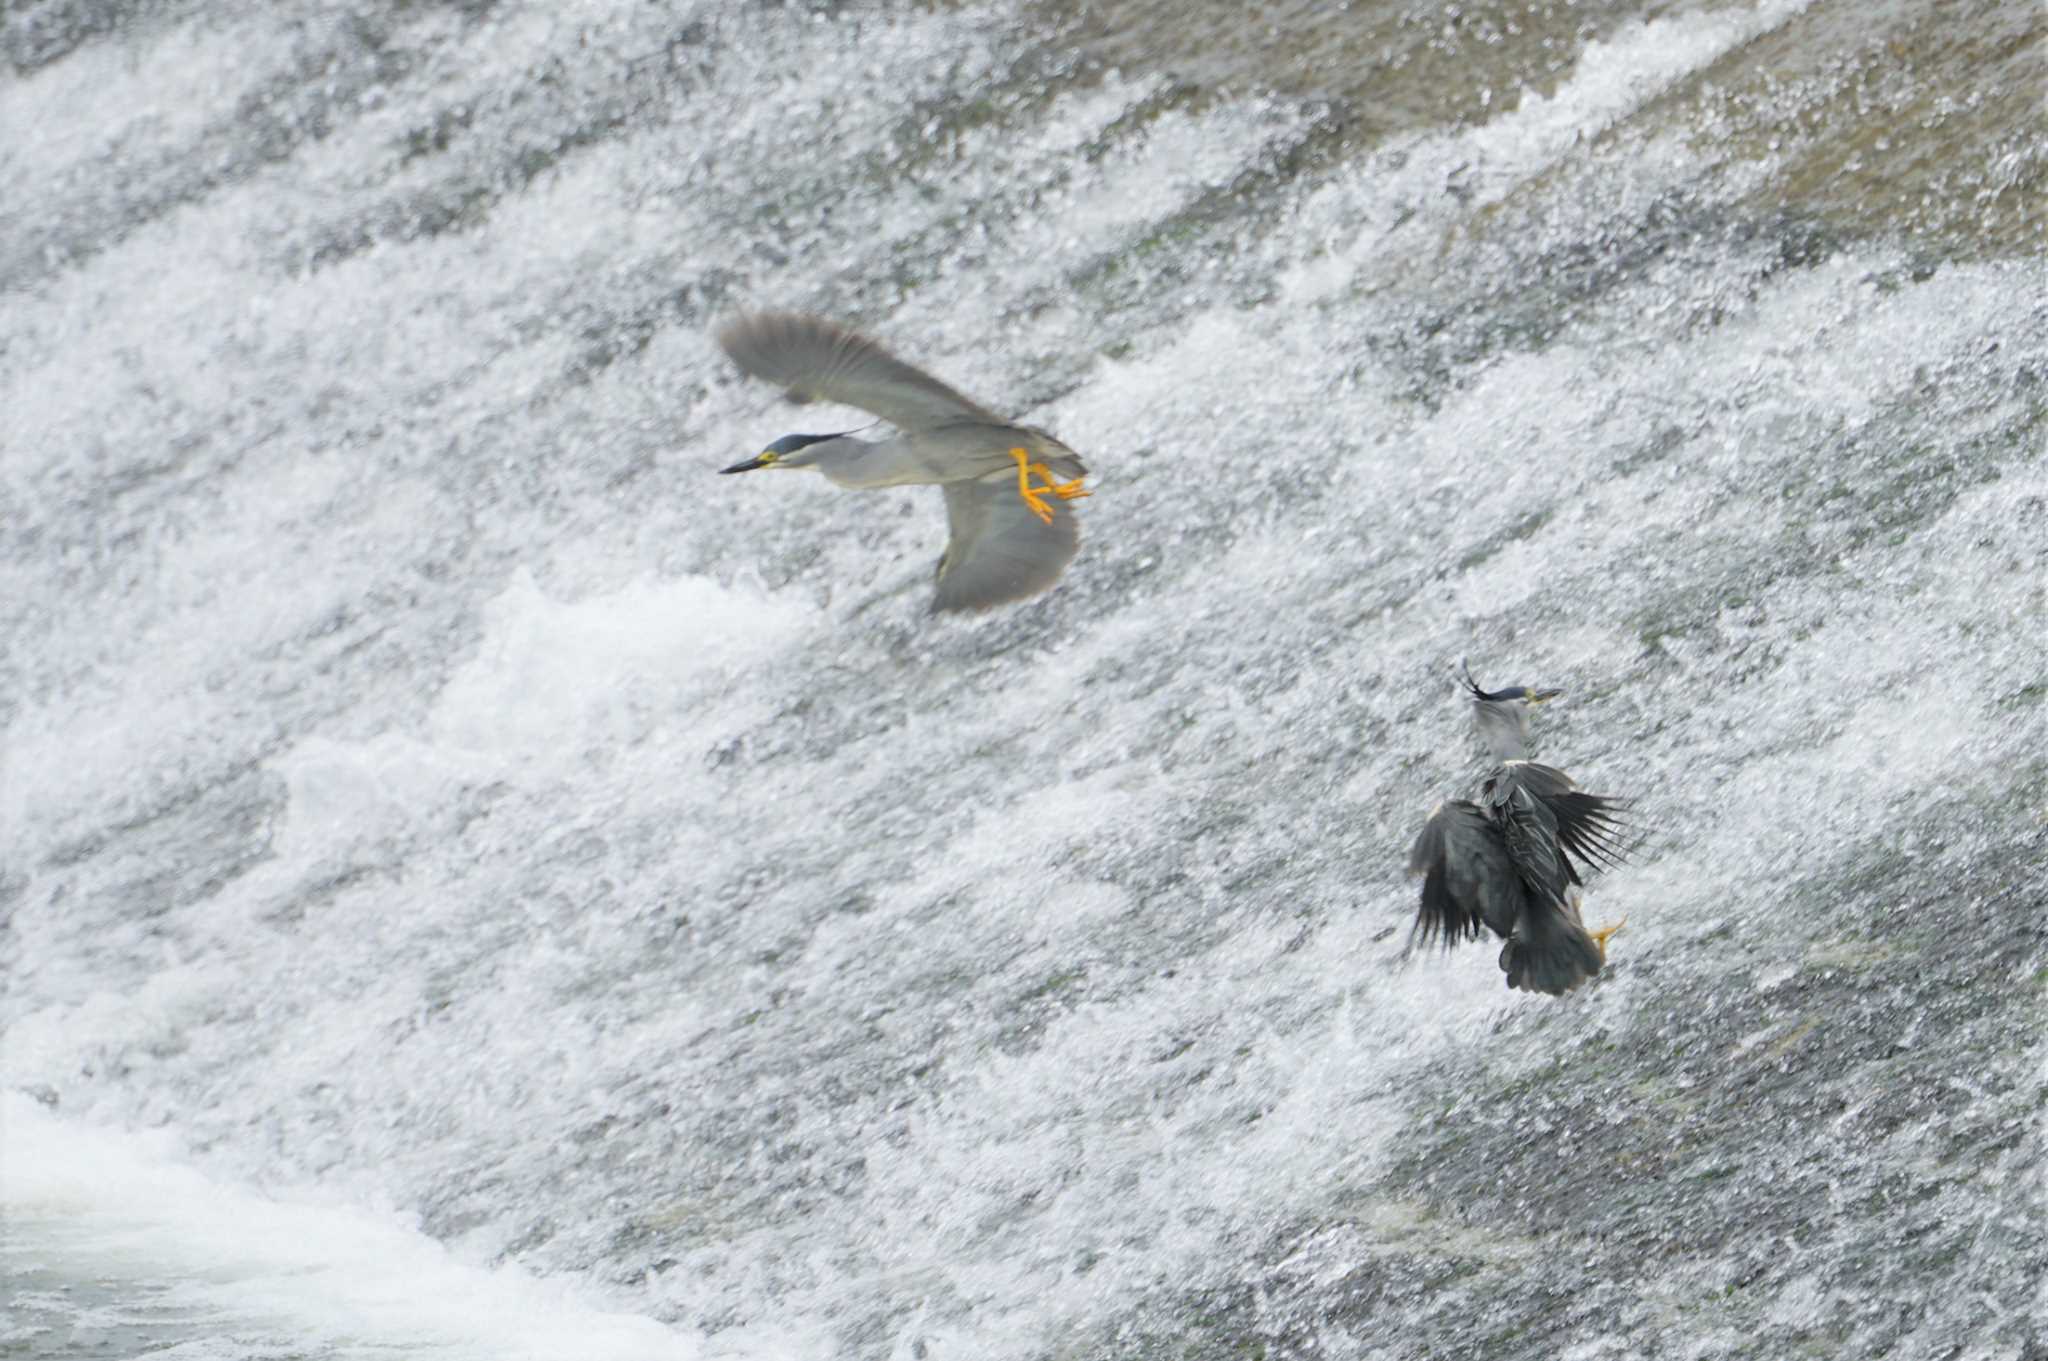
(1513, 860)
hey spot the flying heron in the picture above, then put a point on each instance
(1006, 485)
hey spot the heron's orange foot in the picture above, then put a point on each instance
(1068, 491)
(1605, 934)
(1034, 497)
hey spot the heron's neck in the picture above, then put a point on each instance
(862, 464)
(1504, 727)
(840, 447)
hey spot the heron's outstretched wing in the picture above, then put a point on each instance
(1469, 880)
(814, 359)
(999, 551)
(1590, 827)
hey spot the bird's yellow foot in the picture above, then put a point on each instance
(1034, 497)
(1068, 491)
(1605, 934)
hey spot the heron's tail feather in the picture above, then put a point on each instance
(1550, 951)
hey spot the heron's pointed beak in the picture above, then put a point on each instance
(1543, 696)
(758, 461)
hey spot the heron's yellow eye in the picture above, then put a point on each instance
(769, 456)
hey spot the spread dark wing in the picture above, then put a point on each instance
(1468, 879)
(814, 359)
(1589, 826)
(999, 551)
(1531, 836)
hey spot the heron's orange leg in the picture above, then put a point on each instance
(1034, 497)
(1605, 934)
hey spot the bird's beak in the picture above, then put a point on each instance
(758, 461)
(1543, 696)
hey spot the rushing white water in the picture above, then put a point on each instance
(134, 1242)
(477, 884)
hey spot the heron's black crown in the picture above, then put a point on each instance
(1490, 696)
(789, 444)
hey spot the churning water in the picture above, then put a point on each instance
(478, 885)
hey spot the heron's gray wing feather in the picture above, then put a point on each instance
(984, 447)
(1530, 833)
(1469, 881)
(1590, 827)
(816, 359)
(999, 551)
